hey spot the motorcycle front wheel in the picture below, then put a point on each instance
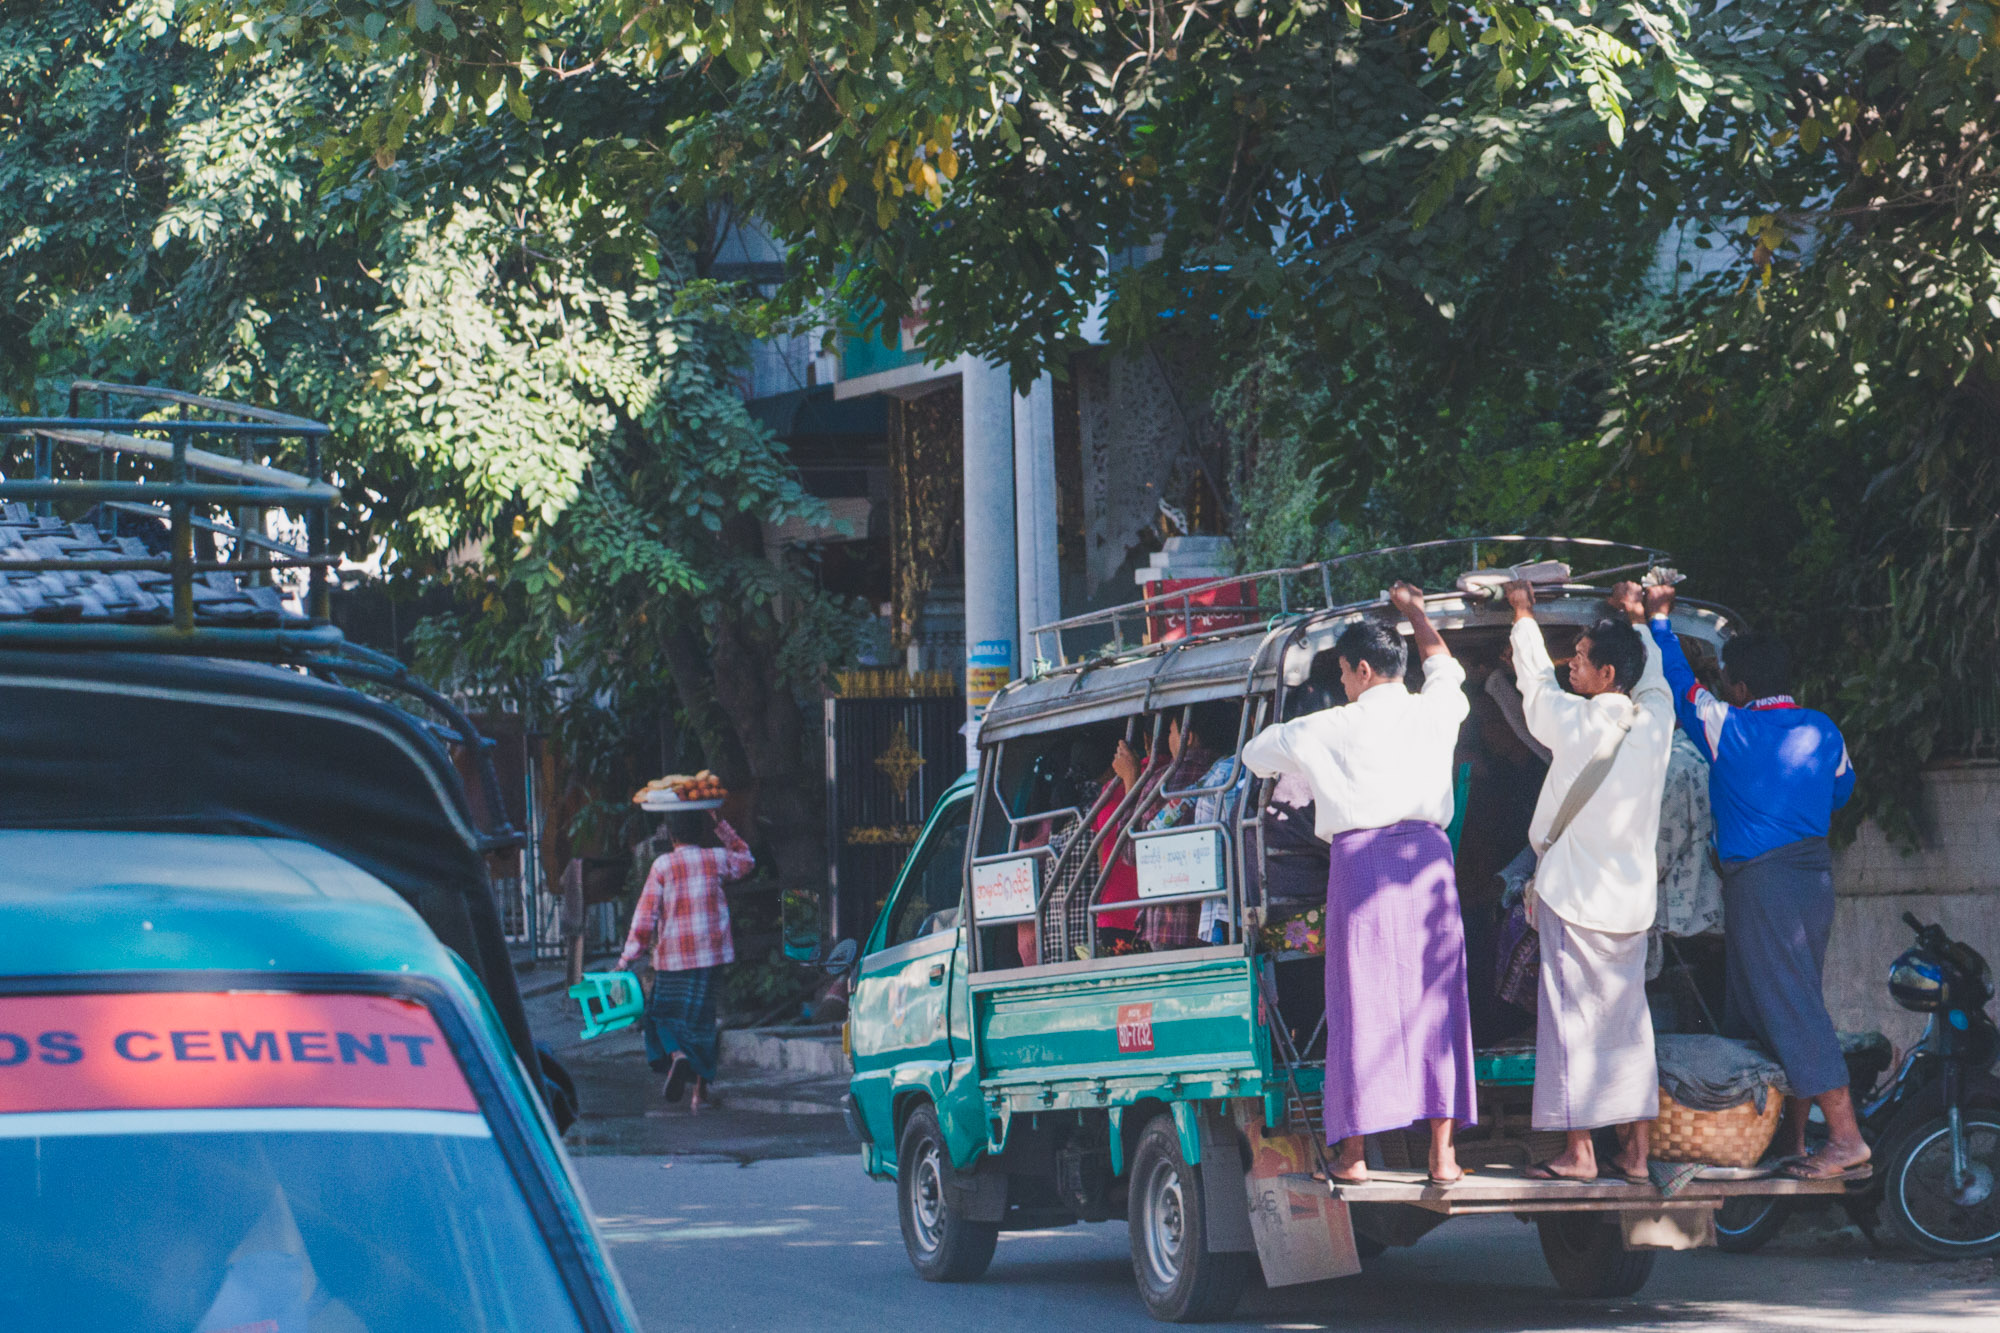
(1943, 1214)
(1747, 1222)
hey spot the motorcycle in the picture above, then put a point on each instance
(1934, 1129)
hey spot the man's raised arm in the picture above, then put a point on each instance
(1651, 694)
(1443, 690)
(1694, 707)
(1553, 717)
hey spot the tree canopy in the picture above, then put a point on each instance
(526, 375)
(1717, 274)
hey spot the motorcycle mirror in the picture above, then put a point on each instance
(840, 957)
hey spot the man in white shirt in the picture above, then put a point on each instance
(1399, 1030)
(1596, 887)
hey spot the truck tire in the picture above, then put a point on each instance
(944, 1246)
(1748, 1222)
(1586, 1253)
(1181, 1280)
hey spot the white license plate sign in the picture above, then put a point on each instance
(1004, 890)
(1171, 864)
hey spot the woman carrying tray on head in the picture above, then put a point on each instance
(1399, 1031)
(681, 924)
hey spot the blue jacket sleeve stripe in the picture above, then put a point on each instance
(1689, 697)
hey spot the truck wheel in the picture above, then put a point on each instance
(1748, 1222)
(1951, 1219)
(1181, 1280)
(1586, 1253)
(943, 1246)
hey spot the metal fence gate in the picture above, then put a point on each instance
(893, 744)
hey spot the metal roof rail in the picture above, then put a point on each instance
(1268, 596)
(148, 463)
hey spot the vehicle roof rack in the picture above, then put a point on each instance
(110, 560)
(1265, 598)
(181, 468)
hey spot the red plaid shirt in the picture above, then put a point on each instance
(682, 916)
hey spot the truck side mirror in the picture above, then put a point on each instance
(841, 957)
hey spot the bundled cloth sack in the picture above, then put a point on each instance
(1710, 1073)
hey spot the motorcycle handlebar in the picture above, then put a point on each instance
(1928, 937)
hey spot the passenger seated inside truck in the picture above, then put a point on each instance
(1198, 786)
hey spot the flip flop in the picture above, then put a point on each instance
(1445, 1184)
(1804, 1171)
(1329, 1178)
(1541, 1171)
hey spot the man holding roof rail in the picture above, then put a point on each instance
(1399, 1028)
(1596, 886)
(1778, 772)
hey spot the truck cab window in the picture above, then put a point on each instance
(933, 885)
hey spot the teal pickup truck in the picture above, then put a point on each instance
(1018, 1065)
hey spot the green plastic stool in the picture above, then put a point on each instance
(610, 1001)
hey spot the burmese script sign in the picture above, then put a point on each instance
(1174, 864)
(1006, 890)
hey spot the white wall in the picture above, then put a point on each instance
(1953, 879)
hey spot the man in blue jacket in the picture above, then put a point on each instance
(1778, 772)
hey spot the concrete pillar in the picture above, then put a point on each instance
(991, 614)
(1040, 584)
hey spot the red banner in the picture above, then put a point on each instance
(171, 1050)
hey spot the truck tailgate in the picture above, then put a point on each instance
(1181, 1023)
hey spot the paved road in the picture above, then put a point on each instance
(810, 1243)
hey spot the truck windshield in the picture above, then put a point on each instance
(255, 1163)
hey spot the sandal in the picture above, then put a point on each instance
(1808, 1169)
(1543, 1171)
(1331, 1178)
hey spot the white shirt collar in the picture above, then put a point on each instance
(1383, 688)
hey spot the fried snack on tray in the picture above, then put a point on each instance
(702, 786)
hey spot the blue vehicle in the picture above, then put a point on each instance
(263, 1062)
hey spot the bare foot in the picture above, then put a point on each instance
(1633, 1171)
(699, 1098)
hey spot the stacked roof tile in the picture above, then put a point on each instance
(137, 597)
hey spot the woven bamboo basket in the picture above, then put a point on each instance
(1736, 1137)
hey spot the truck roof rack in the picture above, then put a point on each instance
(1265, 598)
(109, 562)
(100, 546)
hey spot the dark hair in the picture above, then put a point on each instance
(1214, 725)
(1616, 644)
(1375, 643)
(1759, 663)
(688, 826)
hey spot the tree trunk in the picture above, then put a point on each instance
(770, 727)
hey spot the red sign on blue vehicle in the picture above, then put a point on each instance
(190, 1050)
